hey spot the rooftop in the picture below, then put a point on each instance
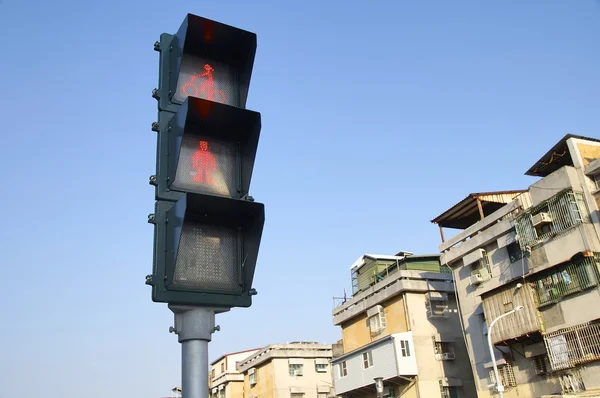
(232, 353)
(361, 260)
(556, 157)
(291, 350)
(475, 207)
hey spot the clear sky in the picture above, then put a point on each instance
(377, 116)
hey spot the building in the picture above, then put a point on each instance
(538, 248)
(224, 380)
(294, 370)
(401, 325)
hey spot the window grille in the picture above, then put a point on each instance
(507, 376)
(566, 209)
(572, 346)
(572, 277)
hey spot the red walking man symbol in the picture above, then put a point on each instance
(204, 163)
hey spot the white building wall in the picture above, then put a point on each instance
(388, 362)
(233, 358)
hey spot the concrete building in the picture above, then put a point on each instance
(401, 325)
(538, 248)
(224, 380)
(294, 370)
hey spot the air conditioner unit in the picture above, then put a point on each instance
(541, 218)
(473, 257)
(476, 279)
(447, 356)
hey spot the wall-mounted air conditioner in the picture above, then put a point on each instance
(447, 356)
(476, 279)
(541, 218)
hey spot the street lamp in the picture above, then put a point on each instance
(499, 386)
(379, 386)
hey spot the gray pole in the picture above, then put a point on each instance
(194, 327)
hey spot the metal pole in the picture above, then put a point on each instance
(194, 327)
(499, 386)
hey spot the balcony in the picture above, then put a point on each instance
(505, 298)
(400, 281)
(227, 376)
(391, 357)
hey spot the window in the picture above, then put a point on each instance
(566, 279)
(354, 278)
(321, 367)
(223, 367)
(437, 308)
(506, 374)
(252, 376)
(449, 392)
(296, 395)
(296, 369)
(222, 392)
(540, 364)
(572, 346)
(343, 370)
(514, 252)
(404, 348)
(388, 392)
(596, 179)
(443, 350)
(557, 214)
(367, 359)
(212, 373)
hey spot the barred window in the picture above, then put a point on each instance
(572, 346)
(507, 376)
(566, 279)
(559, 213)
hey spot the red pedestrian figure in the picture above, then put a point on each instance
(204, 163)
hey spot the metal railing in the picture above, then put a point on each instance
(566, 279)
(572, 346)
(566, 209)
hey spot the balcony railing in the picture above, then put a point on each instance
(570, 278)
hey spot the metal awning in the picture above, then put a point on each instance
(475, 207)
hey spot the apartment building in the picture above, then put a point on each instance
(294, 370)
(224, 380)
(540, 249)
(401, 325)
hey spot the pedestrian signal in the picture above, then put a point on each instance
(212, 149)
(205, 59)
(207, 227)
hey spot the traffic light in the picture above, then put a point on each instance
(205, 59)
(207, 228)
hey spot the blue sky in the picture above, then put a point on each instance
(376, 118)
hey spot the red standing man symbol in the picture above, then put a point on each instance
(204, 163)
(207, 87)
